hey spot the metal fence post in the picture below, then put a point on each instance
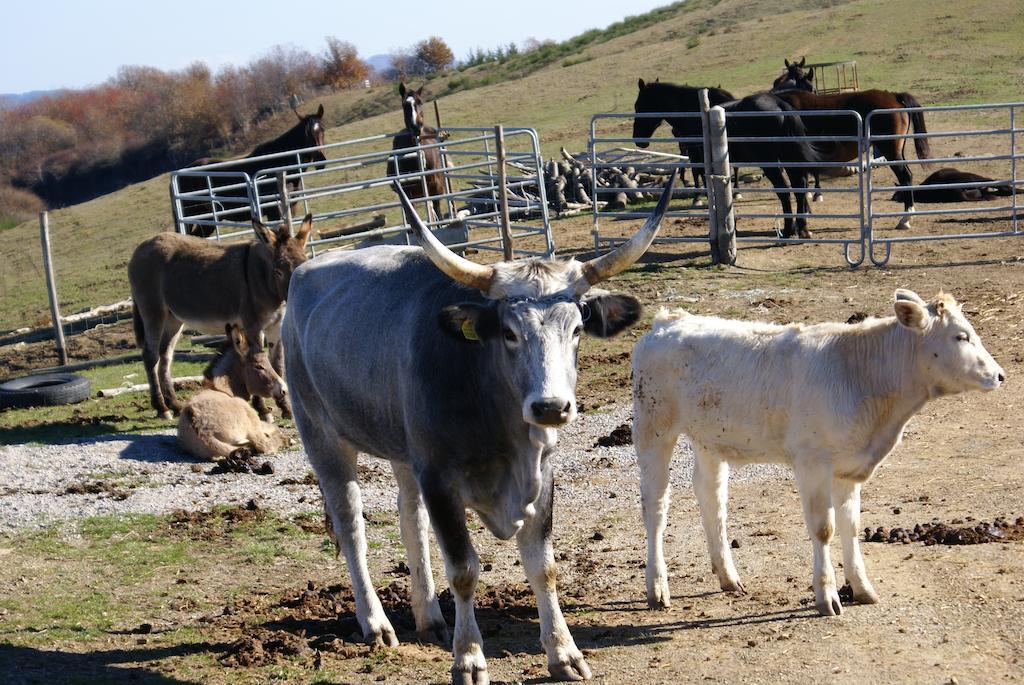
(723, 230)
(51, 287)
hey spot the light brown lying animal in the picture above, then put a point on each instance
(218, 419)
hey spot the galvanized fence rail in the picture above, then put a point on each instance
(760, 218)
(353, 202)
(956, 143)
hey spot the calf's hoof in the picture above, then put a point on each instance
(573, 668)
(658, 596)
(829, 605)
(733, 585)
(866, 596)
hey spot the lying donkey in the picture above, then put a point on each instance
(178, 279)
(218, 419)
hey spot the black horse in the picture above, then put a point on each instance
(417, 133)
(667, 97)
(796, 77)
(684, 99)
(308, 132)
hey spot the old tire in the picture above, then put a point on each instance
(44, 390)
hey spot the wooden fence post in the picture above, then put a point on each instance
(506, 233)
(723, 232)
(705, 127)
(51, 287)
(284, 202)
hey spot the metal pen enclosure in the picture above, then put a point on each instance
(353, 202)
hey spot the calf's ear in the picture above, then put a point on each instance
(911, 315)
(469, 322)
(605, 314)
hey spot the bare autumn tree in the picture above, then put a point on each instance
(341, 66)
(434, 54)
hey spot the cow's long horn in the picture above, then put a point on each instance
(458, 268)
(604, 267)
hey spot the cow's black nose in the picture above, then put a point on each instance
(1002, 378)
(551, 411)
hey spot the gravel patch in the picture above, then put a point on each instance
(148, 473)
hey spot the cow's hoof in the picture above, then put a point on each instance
(830, 605)
(733, 585)
(383, 637)
(573, 668)
(435, 633)
(476, 676)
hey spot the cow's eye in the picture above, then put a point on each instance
(576, 332)
(510, 336)
(962, 337)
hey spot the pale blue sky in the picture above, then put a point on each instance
(78, 43)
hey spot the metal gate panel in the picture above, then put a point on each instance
(847, 229)
(957, 142)
(353, 202)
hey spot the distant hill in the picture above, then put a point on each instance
(380, 62)
(8, 100)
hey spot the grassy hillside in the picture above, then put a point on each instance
(944, 52)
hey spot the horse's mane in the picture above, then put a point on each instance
(281, 143)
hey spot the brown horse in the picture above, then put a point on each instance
(308, 132)
(416, 133)
(795, 77)
(864, 102)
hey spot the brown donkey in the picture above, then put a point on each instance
(179, 279)
(218, 419)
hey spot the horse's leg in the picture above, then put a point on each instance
(818, 197)
(904, 177)
(798, 179)
(696, 156)
(168, 340)
(778, 181)
(736, 194)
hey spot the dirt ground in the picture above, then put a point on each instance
(948, 613)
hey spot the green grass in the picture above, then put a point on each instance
(126, 413)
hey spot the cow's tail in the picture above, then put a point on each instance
(917, 122)
(666, 317)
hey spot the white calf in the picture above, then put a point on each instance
(830, 399)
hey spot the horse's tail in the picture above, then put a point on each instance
(140, 329)
(917, 121)
(802, 150)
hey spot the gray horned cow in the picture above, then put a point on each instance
(460, 375)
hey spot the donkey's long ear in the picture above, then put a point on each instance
(304, 229)
(265, 235)
(238, 340)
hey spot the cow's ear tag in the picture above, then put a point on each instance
(468, 332)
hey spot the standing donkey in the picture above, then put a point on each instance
(179, 279)
(218, 419)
